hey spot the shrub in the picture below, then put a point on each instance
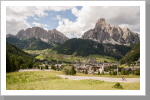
(69, 70)
(46, 66)
(86, 71)
(124, 72)
(52, 66)
(98, 72)
(118, 86)
(103, 73)
(110, 73)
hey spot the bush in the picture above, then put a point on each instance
(52, 66)
(124, 72)
(69, 70)
(86, 71)
(110, 73)
(46, 66)
(118, 86)
(98, 72)
(103, 73)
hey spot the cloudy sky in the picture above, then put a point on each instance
(71, 21)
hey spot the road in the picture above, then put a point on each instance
(108, 79)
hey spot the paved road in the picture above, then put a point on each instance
(128, 80)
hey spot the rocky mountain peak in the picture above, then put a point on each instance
(125, 29)
(52, 36)
(101, 20)
(53, 31)
(10, 35)
(105, 33)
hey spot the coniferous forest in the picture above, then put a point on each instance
(132, 55)
(17, 59)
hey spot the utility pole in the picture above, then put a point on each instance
(117, 69)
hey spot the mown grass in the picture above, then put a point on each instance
(123, 65)
(41, 57)
(47, 80)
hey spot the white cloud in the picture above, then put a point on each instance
(58, 17)
(87, 17)
(39, 24)
(75, 11)
(45, 25)
(45, 29)
(36, 19)
(16, 16)
(13, 26)
(60, 8)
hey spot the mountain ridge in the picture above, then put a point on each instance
(51, 36)
(105, 33)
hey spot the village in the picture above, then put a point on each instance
(92, 66)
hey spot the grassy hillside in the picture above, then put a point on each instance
(132, 55)
(29, 44)
(45, 80)
(16, 58)
(53, 55)
(82, 47)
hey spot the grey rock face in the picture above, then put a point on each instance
(10, 35)
(104, 33)
(51, 36)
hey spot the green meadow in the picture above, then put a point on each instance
(47, 80)
(53, 55)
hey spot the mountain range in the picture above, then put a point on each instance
(101, 33)
(51, 36)
(103, 39)
(105, 33)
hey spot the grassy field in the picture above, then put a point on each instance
(47, 80)
(52, 55)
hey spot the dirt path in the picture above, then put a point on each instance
(128, 80)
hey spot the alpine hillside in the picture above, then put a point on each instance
(17, 59)
(82, 47)
(132, 55)
(29, 44)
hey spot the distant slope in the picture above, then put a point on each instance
(16, 58)
(29, 44)
(82, 47)
(132, 55)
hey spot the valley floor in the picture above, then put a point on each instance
(51, 80)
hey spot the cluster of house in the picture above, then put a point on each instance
(91, 66)
(38, 53)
